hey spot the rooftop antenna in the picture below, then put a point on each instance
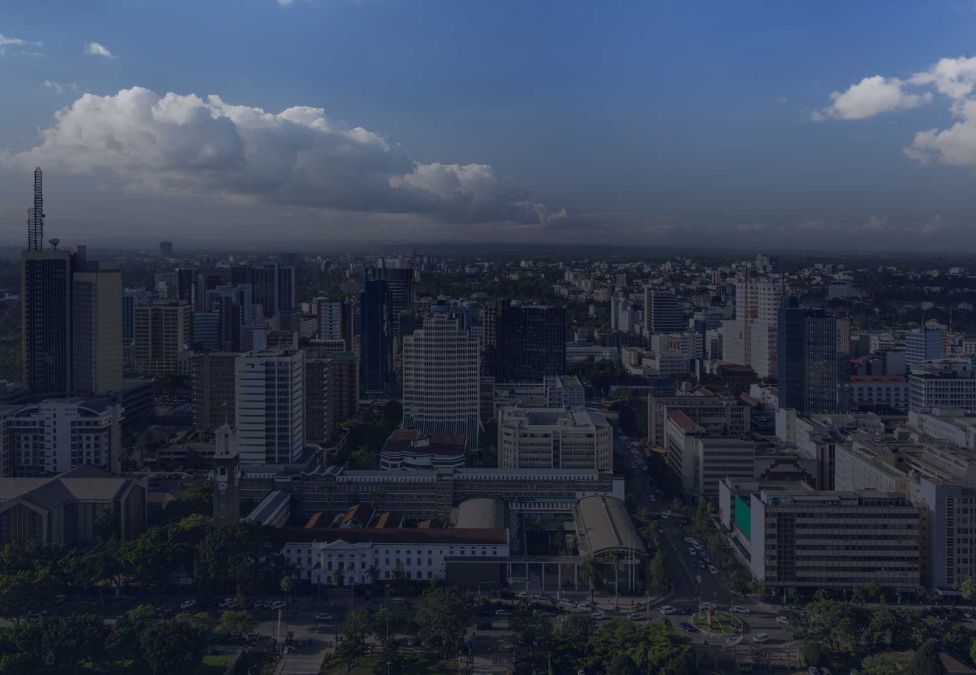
(35, 215)
(54, 243)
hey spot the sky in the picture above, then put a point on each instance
(713, 124)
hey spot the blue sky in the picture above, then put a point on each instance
(617, 122)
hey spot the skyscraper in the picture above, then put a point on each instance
(663, 312)
(375, 340)
(35, 215)
(96, 327)
(270, 395)
(813, 359)
(441, 378)
(46, 321)
(531, 342)
(162, 336)
(334, 321)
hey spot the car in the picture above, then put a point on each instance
(599, 616)
(667, 609)
(740, 609)
(501, 612)
(566, 604)
(690, 540)
(188, 604)
(278, 604)
(484, 625)
(813, 670)
(228, 603)
(713, 569)
(636, 616)
(324, 616)
(782, 620)
(760, 638)
(523, 594)
(692, 550)
(825, 671)
(701, 565)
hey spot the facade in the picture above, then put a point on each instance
(321, 400)
(57, 435)
(663, 312)
(700, 459)
(947, 384)
(408, 449)
(554, 438)
(375, 339)
(531, 342)
(869, 391)
(334, 321)
(270, 395)
(441, 378)
(813, 359)
(805, 539)
(923, 344)
(213, 377)
(46, 321)
(162, 334)
(96, 327)
(81, 506)
(719, 414)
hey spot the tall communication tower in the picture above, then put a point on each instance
(35, 215)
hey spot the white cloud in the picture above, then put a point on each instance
(18, 45)
(60, 87)
(750, 227)
(298, 157)
(98, 49)
(869, 97)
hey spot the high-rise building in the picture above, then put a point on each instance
(923, 344)
(334, 320)
(531, 342)
(441, 378)
(399, 286)
(320, 401)
(663, 312)
(213, 377)
(273, 290)
(162, 337)
(46, 321)
(375, 340)
(814, 349)
(235, 310)
(271, 406)
(96, 327)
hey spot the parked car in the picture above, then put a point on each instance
(760, 638)
(636, 616)
(323, 616)
(782, 620)
(188, 604)
(278, 604)
(713, 569)
(599, 616)
(667, 609)
(740, 609)
(813, 670)
(501, 612)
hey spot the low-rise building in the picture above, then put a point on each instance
(554, 438)
(700, 458)
(949, 383)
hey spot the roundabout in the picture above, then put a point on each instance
(717, 623)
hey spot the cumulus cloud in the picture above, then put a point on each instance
(18, 45)
(869, 97)
(952, 78)
(186, 144)
(98, 49)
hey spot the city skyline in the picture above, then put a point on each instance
(718, 127)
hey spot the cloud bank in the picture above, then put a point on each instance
(954, 79)
(185, 144)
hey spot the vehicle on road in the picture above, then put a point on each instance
(813, 670)
(599, 616)
(636, 616)
(690, 540)
(188, 604)
(740, 609)
(228, 603)
(323, 616)
(782, 620)
(278, 604)
(713, 569)
(667, 609)
(566, 604)
(484, 625)
(689, 627)
(692, 550)
(760, 638)
(501, 612)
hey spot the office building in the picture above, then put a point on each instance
(946, 384)
(923, 344)
(663, 312)
(723, 415)
(814, 349)
(873, 391)
(96, 327)
(410, 450)
(46, 321)
(330, 398)
(162, 334)
(375, 339)
(441, 378)
(554, 438)
(213, 380)
(701, 459)
(803, 539)
(56, 435)
(270, 406)
(531, 342)
(334, 321)
(400, 296)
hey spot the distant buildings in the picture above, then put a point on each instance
(162, 334)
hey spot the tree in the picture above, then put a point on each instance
(236, 624)
(123, 643)
(967, 587)
(442, 617)
(702, 517)
(660, 574)
(811, 654)
(53, 645)
(588, 573)
(352, 642)
(533, 640)
(287, 584)
(172, 646)
(926, 660)
(622, 664)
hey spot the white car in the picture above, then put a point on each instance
(323, 616)
(636, 616)
(188, 604)
(692, 551)
(762, 637)
(690, 540)
(278, 604)
(782, 620)
(599, 616)
(667, 609)
(713, 569)
(739, 609)
(228, 603)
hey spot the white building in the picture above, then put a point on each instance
(441, 378)
(879, 390)
(334, 319)
(949, 383)
(701, 459)
(923, 344)
(554, 438)
(270, 406)
(57, 435)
